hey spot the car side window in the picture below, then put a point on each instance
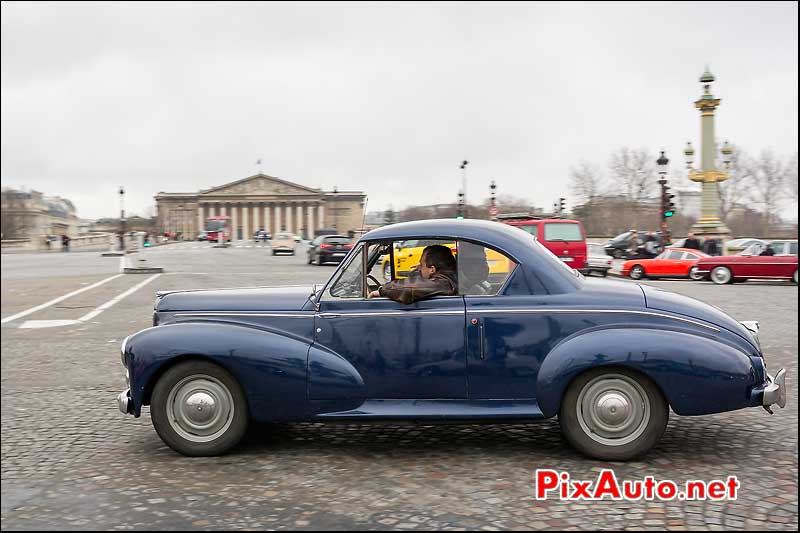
(674, 255)
(482, 271)
(792, 248)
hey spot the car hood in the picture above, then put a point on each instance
(291, 298)
(684, 305)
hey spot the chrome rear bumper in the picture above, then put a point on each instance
(775, 391)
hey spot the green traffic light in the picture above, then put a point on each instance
(460, 217)
(669, 213)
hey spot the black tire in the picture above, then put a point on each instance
(230, 435)
(583, 441)
(310, 258)
(794, 277)
(604, 273)
(319, 260)
(637, 272)
(274, 252)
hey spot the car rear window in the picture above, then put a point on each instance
(337, 240)
(556, 231)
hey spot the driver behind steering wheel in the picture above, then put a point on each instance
(436, 276)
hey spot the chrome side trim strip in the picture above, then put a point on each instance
(245, 313)
(588, 311)
(390, 313)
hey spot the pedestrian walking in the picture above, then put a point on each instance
(65, 242)
(691, 242)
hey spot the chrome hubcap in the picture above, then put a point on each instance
(693, 273)
(636, 273)
(613, 409)
(200, 408)
(721, 275)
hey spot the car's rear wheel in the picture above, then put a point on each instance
(637, 272)
(199, 409)
(694, 273)
(794, 277)
(721, 275)
(613, 414)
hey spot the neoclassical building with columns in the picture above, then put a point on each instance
(261, 202)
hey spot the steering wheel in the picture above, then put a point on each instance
(370, 277)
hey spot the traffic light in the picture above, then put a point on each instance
(562, 205)
(667, 205)
(460, 204)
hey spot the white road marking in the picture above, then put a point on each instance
(35, 324)
(56, 300)
(91, 314)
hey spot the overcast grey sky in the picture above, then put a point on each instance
(384, 98)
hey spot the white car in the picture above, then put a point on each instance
(597, 260)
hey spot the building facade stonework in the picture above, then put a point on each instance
(261, 202)
(32, 214)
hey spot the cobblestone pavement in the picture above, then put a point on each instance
(70, 460)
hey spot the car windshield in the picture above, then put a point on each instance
(621, 237)
(753, 249)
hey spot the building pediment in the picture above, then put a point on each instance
(260, 184)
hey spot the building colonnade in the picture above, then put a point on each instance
(298, 217)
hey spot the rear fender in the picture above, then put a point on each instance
(696, 374)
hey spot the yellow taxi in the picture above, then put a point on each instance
(407, 255)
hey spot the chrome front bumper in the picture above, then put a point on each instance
(124, 401)
(775, 391)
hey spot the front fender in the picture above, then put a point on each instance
(697, 375)
(270, 367)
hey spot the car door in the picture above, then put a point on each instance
(503, 346)
(677, 263)
(414, 351)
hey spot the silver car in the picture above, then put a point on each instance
(597, 260)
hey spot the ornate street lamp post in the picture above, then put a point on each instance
(464, 187)
(335, 213)
(709, 223)
(121, 218)
(493, 208)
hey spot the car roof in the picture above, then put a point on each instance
(334, 236)
(691, 250)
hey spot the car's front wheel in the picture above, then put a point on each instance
(199, 409)
(613, 414)
(637, 272)
(721, 275)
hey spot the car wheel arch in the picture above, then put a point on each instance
(611, 347)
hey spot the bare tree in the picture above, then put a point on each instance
(632, 173)
(766, 183)
(791, 179)
(585, 181)
(733, 191)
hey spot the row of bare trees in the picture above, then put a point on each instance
(750, 200)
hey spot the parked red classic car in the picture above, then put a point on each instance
(672, 263)
(752, 263)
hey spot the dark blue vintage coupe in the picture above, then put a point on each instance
(526, 338)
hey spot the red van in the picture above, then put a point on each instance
(565, 238)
